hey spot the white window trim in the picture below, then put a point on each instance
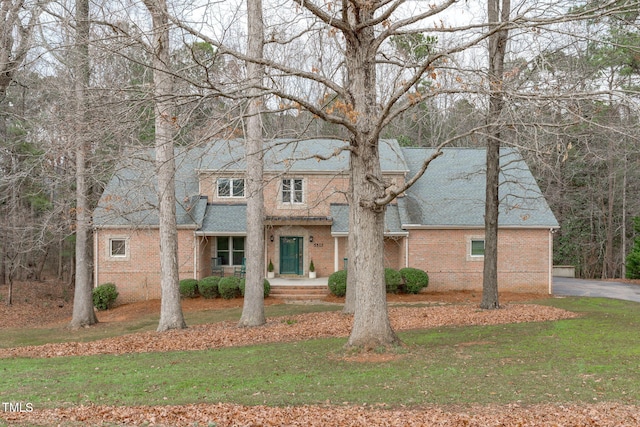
(470, 256)
(231, 196)
(304, 191)
(127, 252)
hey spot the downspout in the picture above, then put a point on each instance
(195, 255)
(96, 257)
(336, 258)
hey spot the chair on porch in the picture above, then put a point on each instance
(216, 267)
(242, 270)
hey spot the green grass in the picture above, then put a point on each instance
(593, 358)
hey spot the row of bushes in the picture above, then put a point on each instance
(408, 280)
(105, 295)
(214, 286)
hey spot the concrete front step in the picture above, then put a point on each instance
(301, 292)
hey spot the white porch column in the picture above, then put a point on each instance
(406, 251)
(336, 255)
(551, 261)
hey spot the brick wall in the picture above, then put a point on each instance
(523, 264)
(392, 252)
(137, 276)
(523, 259)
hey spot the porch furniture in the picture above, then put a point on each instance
(242, 270)
(216, 267)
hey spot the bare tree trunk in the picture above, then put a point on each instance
(253, 308)
(10, 291)
(609, 263)
(83, 312)
(171, 316)
(371, 325)
(498, 11)
(2, 261)
(623, 272)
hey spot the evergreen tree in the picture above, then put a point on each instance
(633, 259)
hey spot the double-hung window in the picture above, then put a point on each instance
(230, 250)
(292, 190)
(230, 187)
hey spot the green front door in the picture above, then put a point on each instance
(290, 255)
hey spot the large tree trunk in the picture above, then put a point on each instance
(371, 325)
(83, 312)
(498, 11)
(490, 273)
(171, 316)
(253, 308)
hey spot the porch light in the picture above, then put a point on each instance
(310, 239)
(271, 238)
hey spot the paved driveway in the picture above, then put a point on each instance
(595, 288)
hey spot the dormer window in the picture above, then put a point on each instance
(230, 187)
(292, 191)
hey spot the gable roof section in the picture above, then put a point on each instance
(451, 192)
(130, 199)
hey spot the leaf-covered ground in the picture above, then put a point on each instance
(54, 309)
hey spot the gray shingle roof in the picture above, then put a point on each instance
(452, 190)
(283, 155)
(225, 219)
(450, 194)
(340, 215)
(130, 198)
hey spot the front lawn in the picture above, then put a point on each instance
(589, 359)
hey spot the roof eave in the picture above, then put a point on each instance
(475, 227)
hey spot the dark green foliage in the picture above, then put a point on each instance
(267, 287)
(188, 288)
(338, 283)
(229, 287)
(414, 279)
(208, 287)
(633, 259)
(104, 296)
(392, 280)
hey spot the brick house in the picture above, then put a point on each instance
(436, 226)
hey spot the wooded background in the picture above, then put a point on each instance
(570, 92)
